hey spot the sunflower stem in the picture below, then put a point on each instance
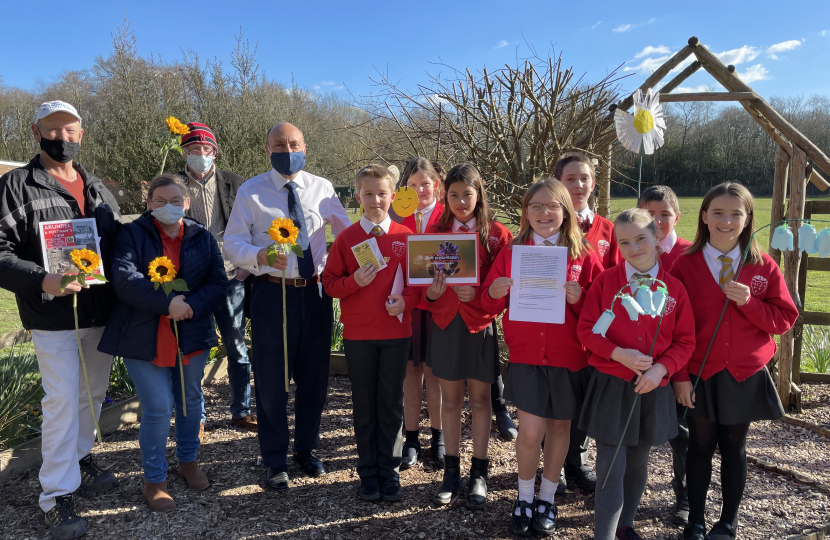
(284, 333)
(181, 366)
(83, 367)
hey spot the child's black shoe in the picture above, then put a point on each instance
(722, 531)
(520, 524)
(695, 531)
(681, 511)
(544, 522)
(391, 489)
(411, 450)
(477, 488)
(627, 533)
(450, 487)
(369, 489)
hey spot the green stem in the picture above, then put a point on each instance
(640, 177)
(83, 367)
(284, 333)
(181, 367)
(164, 159)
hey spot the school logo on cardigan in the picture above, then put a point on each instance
(398, 248)
(603, 246)
(759, 285)
(576, 270)
(670, 305)
(494, 242)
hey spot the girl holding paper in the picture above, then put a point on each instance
(546, 386)
(462, 345)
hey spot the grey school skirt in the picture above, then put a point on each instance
(454, 354)
(550, 392)
(723, 400)
(608, 402)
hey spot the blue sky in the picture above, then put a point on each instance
(333, 46)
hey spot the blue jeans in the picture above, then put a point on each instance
(160, 392)
(231, 322)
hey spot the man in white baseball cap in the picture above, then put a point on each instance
(52, 187)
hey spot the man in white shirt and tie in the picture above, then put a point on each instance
(310, 201)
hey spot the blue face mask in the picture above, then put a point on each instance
(169, 214)
(288, 163)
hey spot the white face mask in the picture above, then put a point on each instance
(199, 164)
(169, 214)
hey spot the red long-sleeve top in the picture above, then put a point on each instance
(477, 318)
(667, 259)
(363, 309)
(743, 345)
(601, 236)
(675, 342)
(543, 344)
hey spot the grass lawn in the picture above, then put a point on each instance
(818, 283)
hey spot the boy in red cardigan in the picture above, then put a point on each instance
(661, 203)
(376, 342)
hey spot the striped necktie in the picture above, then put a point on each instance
(547, 243)
(418, 222)
(726, 271)
(377, 231)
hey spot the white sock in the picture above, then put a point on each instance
(526, 489)
(547, 491)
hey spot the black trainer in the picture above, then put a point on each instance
(94, 479)
(520, 525)
(64, 523)
(391, 489)
(544, 522)
(369, 489)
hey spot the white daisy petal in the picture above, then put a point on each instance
(645, 127)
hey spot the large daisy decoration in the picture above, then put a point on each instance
(642, 131)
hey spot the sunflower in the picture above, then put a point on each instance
(162, 270)
(283, 231)
(176, 127)
(87, 261)
(645, 126)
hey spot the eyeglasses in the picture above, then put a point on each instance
(175, 202)
(199, 150)
(536, 208)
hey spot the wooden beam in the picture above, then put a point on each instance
(817, 180)
(681, 77)
(708, 96)
(792, 260)
(732, 82)
(779, 194)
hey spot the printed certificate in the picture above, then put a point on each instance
(456, 255)
(538, 291)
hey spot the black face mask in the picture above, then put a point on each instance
(59, 150)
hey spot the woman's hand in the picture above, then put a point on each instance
(500, 287)
(651, 379)
(366, 275)
(737, 292)
(178, 309)
(281, 263)
(465, 293)
(437, 287)
(632, 359)
(573, 291)
(683, 393)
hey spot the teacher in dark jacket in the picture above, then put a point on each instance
(140, 328)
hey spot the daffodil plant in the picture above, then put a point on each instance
(88, 262)
(284, 234)
(170, 139)
(645, 302)
(162, 274)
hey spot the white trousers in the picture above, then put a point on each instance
(68, 431)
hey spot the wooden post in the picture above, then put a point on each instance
(779, 194)
(792, 260)
(604, 208)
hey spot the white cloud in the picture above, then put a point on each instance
(327, 83)
(502, 43)
(648, 51)
(823, 33)
(600, 22)
(339, 87)
(315, 87)
(648, 64)
(781, 47)
(699, 88)
(682, 65)
(754, 73)
(623, 28)
(739, 56)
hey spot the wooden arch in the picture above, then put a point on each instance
(794, 148)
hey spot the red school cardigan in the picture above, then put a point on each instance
(667, 259)
(434, 218)
(363, 309)
(743, 345)
(543, 344)
(675, 342)
(601, 236)
(477, 318)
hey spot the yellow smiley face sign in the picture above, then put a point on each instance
(406, 201)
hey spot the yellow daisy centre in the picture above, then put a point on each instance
(643, 121)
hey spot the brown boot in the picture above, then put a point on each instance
(194, 476)
(157, 497)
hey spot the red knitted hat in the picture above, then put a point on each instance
(199, 133)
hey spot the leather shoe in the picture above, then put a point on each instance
(507, 429)
(369, 489)
(722, 531)
(695, 531)
(544, 522)
(246, 422)
(563, 483)
(681, 511)
(582, 477)
(276, 478)
(310, 463)
(391, 490)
